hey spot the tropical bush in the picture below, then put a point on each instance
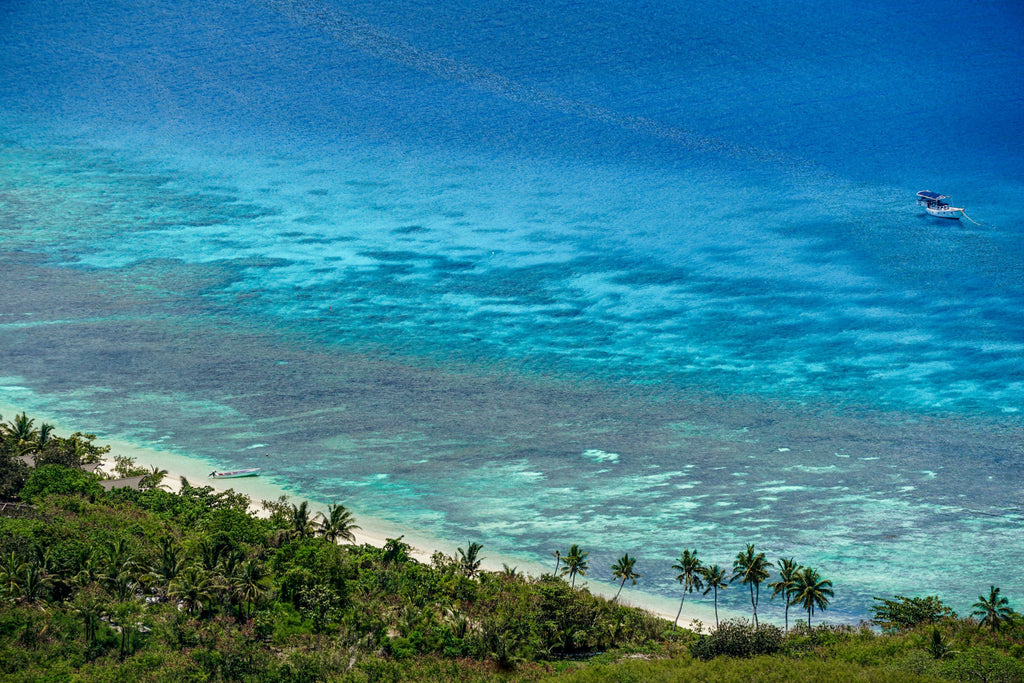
(737, 638)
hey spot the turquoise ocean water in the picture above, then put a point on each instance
(638, 276)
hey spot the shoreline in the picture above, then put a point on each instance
(372, 530)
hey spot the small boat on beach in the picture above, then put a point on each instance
(936, 205)
(235, 474)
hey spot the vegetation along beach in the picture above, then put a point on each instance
(111, 576)
(637, 299)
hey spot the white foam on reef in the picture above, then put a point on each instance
(598, 455)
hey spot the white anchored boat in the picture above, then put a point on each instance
(236, 474)
(936, 205)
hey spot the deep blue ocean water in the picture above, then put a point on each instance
(638, 276)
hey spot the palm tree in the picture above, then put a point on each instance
(230, 560)
(209, 553)
(50, 575)
(194, 588)
(20, 436)
(123, 615)
(168, 564)
(154, 480)
(12, 575)
(36, 580)
(91, 571)
(81, 449)
(20, 428)
(395, 551)
(752, 569)
(470, 562)
(558, 560)
(714, 578)
(575, 563)
(119, 568)
(301, 524)
(810, 591)
(338, 524)
(785, 586)
(90, 605)
(993, 610)
(623, 569)
(43, 557)
(247, 585)
(689, 568)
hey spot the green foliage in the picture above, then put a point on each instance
(125, 466)
(903, 613)
(764, 669)
(787, 584)
(623, 569)
(810, 591)
(235, 524)
(469, 559)
(575, 563)
(994, 610)
(279, 511)
(937, 647)
(20, 437)
(73, 451)
(752, 570)
(691, 575)
(13, 475)
(49, 480)
(395, 551)
(320, 604)
(338, 524)
(983, 664)
(738, 639)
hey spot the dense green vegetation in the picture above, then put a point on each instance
(149, 585)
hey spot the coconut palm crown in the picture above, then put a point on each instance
(623, 569)
(575, 563)
(993, 610)
(811, 591)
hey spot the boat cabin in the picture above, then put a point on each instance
(932, 200)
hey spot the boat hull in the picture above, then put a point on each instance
(951, 213)
(238, 474)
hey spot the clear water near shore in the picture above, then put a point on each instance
(525, 287)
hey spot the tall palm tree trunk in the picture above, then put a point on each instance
(680, 609)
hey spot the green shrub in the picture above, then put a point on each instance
(13, 475)
(983, 664)
(738, 639)
(905, 613)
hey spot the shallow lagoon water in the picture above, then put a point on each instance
(535, 278)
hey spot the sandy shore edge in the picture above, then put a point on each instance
(372, 531)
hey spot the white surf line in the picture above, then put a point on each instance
(378, 43)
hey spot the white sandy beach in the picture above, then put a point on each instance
(372, 531)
